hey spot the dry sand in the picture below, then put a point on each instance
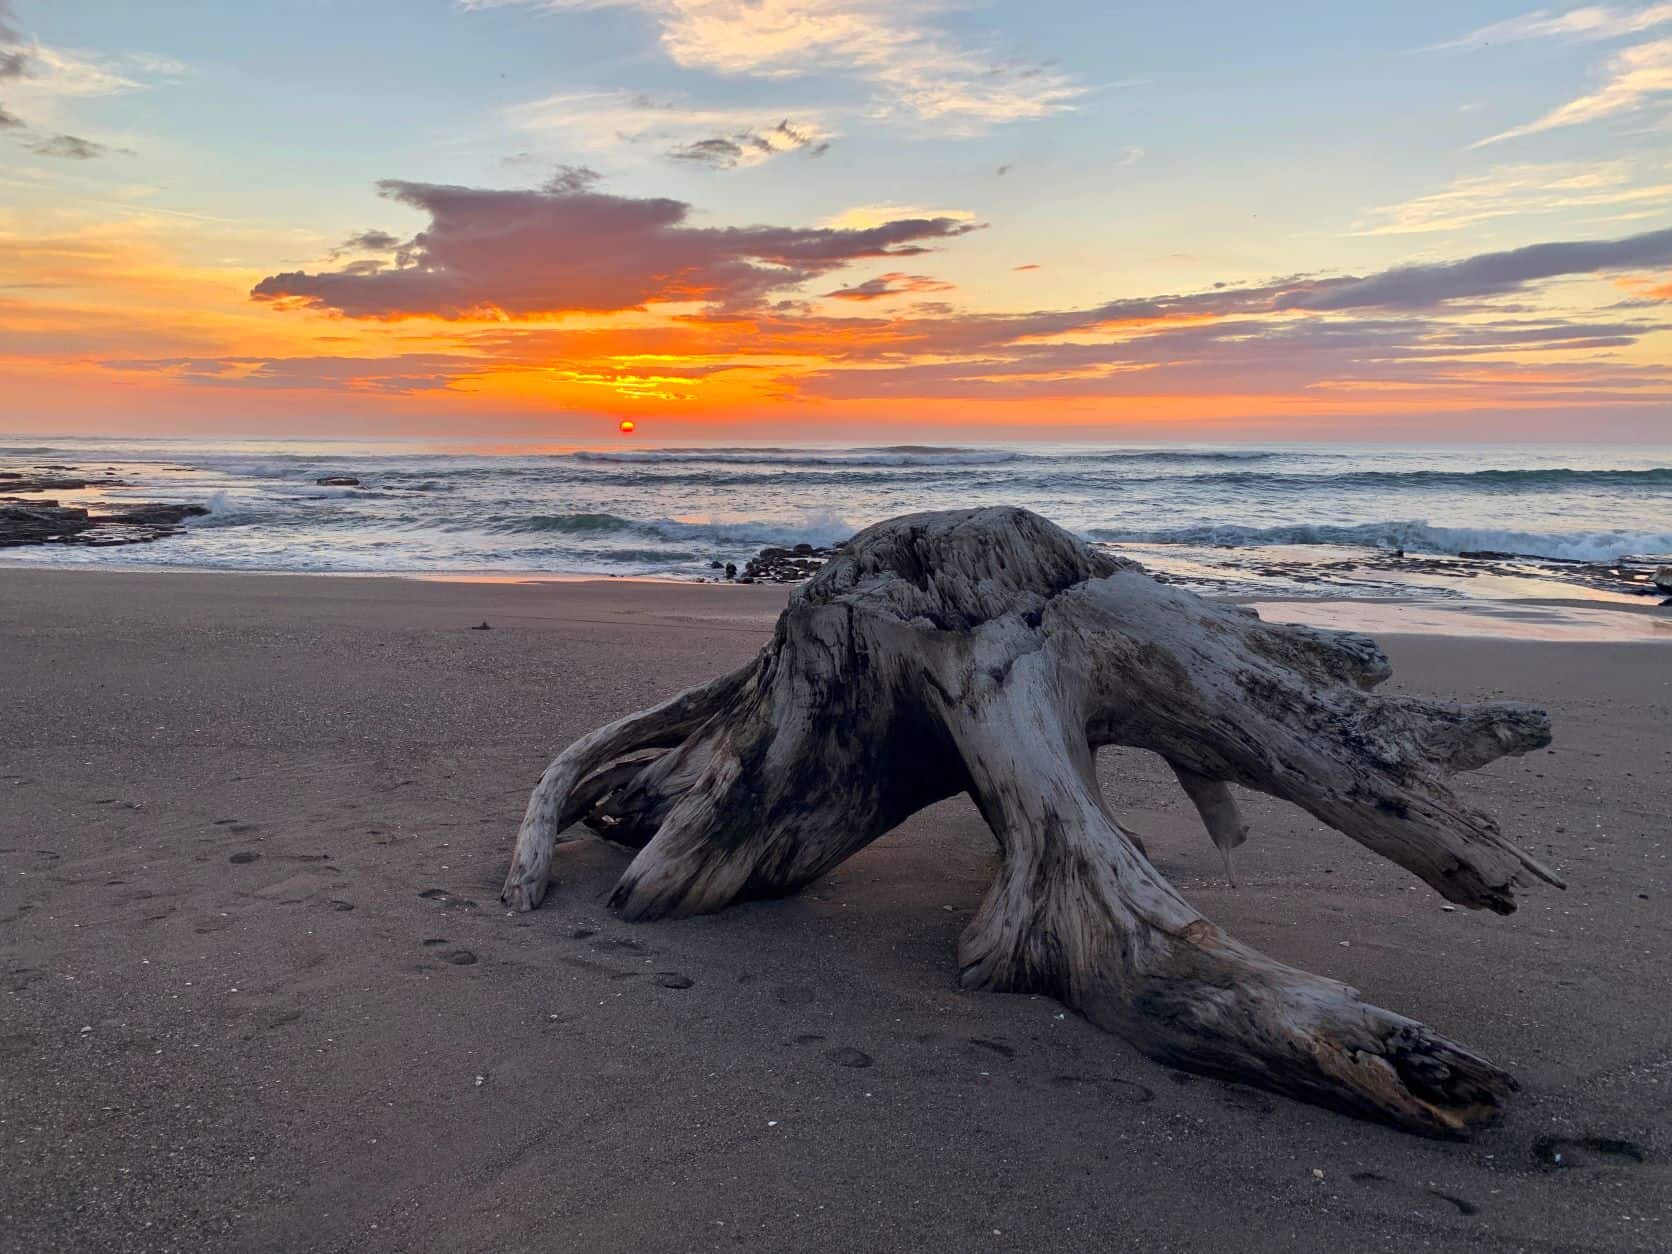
(259, 994)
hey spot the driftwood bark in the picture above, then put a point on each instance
(989, 652)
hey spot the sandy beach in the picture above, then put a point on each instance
(259, 992)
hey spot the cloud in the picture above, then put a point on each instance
(399, 374)
(891, 284)
(723, 137)
(372, 241)
(524, 253)
(567, 180)
(1516, 190)
(9, 121)
(1032, 265)
(1645, 289)
(9, 31)
(54, 72)
(912, 68)
(725, 152)
(1635, 77)
(1590, 22)
(70, 147)
(13, 64)
(862, 217)
(1485, 275)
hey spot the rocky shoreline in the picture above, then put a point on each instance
(29, 520)
(777, 565)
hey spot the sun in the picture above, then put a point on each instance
(627, 425)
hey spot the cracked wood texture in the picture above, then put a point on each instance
(991, 653)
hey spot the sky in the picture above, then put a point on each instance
(775, 219)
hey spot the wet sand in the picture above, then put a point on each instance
(259, 993)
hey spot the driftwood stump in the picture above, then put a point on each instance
(990, 652)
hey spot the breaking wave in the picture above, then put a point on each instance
(1415, 536)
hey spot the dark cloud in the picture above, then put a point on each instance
(9, 31)
(9, 121)
(1032, 265)
(893, 284)
(718, 152)
(372, 241)
(565, 247)
(13, 64)
(567, 180)
(70, 147)
(1414, 288)
(1489, 274)
(723, 152)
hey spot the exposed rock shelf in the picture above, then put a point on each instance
(26, 520)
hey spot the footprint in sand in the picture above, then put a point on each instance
(459, 957)
(430, 941)
(848, 1056)
(993, 1047)
(245, 855)
(1109, 1086)
(1588, 1151)
(806, 1038)
(672, 979)
(240, 828)
(447, 899)
(341, 905)
(793, 994)
(1433, 1198)
(271, 1018)
(581, 933)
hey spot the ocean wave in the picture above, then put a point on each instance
(1414, 536)
(895, 456)
(1186, 455)
(1555, 476)
(816, 527)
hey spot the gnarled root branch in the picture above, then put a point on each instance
(989, 652)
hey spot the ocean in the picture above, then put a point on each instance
(1290, 520)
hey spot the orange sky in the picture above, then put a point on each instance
(710, 286)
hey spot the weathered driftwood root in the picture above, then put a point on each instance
(989, 652)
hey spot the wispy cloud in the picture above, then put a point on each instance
(724, 138)
(1634, 77)
(750, 147)
(1518, 190)
(1591, 22)
(70, 147)
(863, 217)
(913, 68)
(888, 285)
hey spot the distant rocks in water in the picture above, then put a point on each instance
(36, 520)
(775, 565)
(337, 481)
(21, 481)
(1662, 579)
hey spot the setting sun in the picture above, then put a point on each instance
(627, 426)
